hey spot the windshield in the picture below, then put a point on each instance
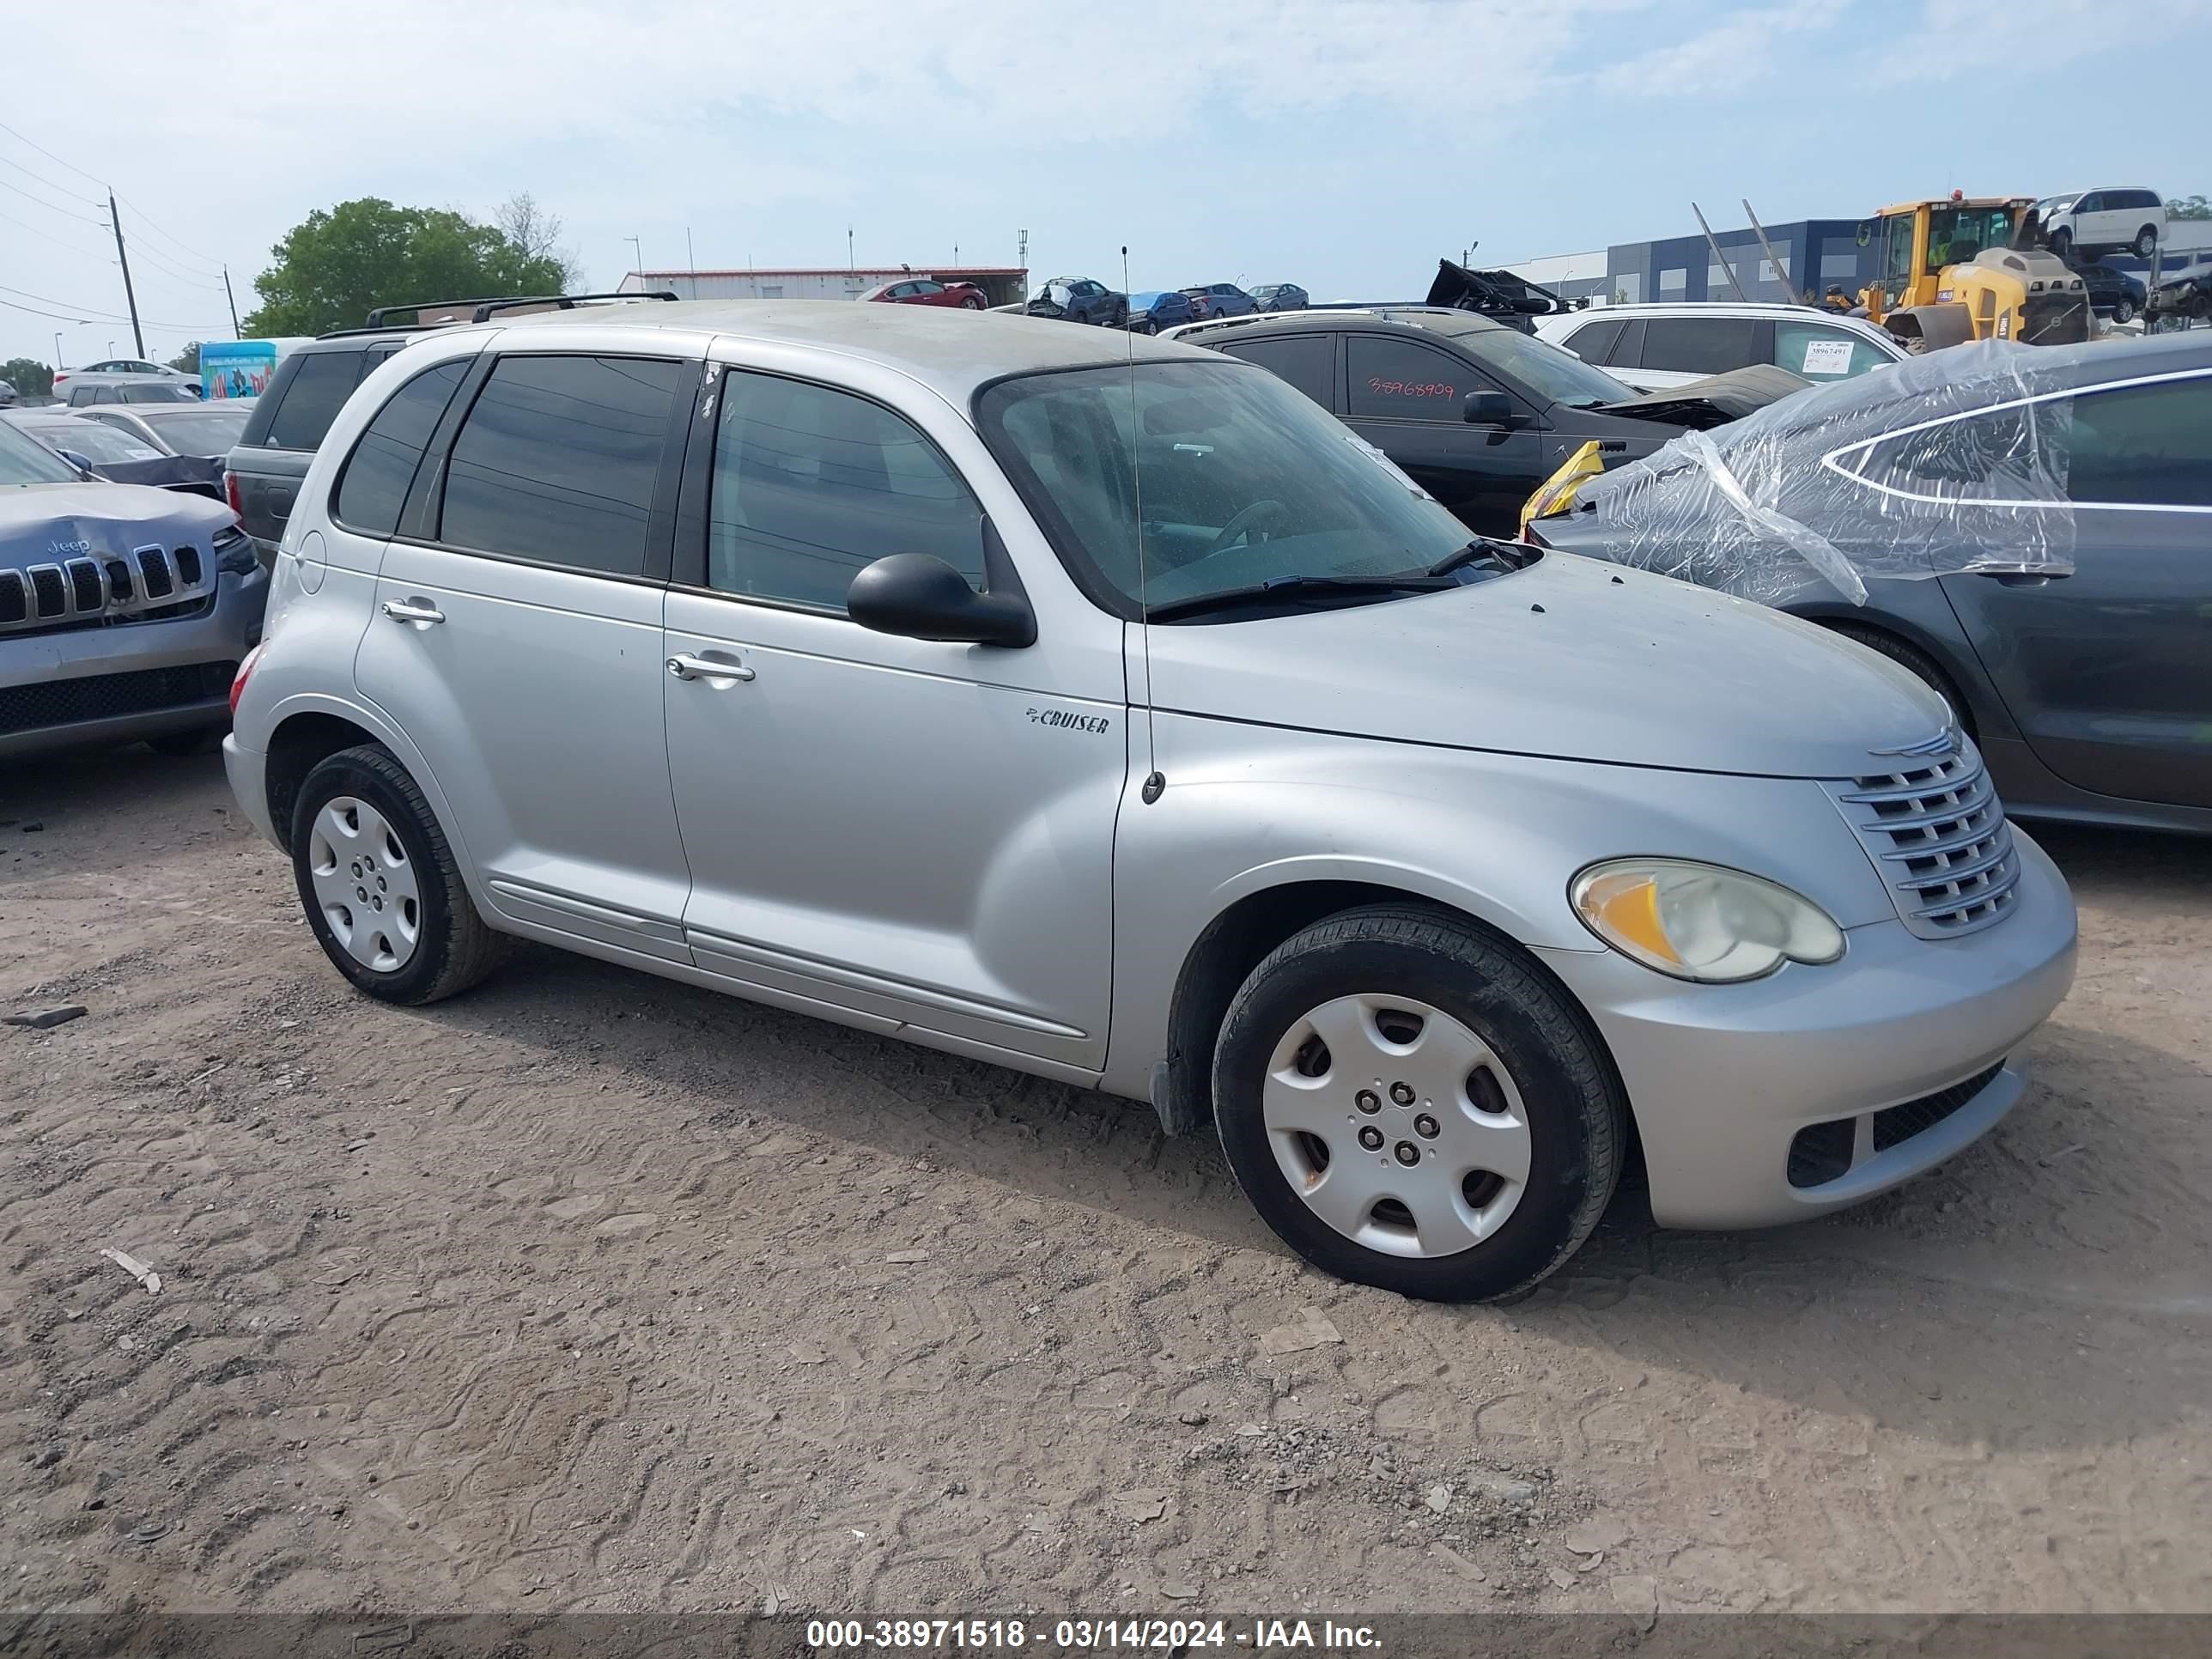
(200, 431)
(1956, 235)
(23, 461)
(1547, 370)
(1244, 479)
(2051, 204)
(96, 442)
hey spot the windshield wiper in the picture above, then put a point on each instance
(1506, 556)
(1294, 588)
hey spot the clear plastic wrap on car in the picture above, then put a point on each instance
(1866, 478)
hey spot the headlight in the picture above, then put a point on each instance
(1700, 921)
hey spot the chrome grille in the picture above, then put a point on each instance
(116, 587)
(1937, 833)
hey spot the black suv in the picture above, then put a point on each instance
(313, 383)
(1478, 414)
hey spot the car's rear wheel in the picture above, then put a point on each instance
(971, 303)
(1411, 1104)
(378, 882)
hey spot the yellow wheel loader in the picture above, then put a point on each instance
(1971, 268)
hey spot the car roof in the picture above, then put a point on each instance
(952, 351)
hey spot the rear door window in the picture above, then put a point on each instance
(381, 469)
(2143, 445)
(1404, 380)
(557, 461)
(318, 389)
(1698, 345)
(1593, 342)
(1821, 353)
(1307, 362)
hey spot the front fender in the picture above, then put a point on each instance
(1496, 837)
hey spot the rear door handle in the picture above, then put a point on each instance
(412, 610)
(687, 667)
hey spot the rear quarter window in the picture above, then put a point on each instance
(298, 407)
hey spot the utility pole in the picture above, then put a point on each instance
(850, 265)
(232, 298)
(137, 335)
(58, 354)
(691, 261)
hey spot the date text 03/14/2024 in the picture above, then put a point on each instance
(1090, 1634)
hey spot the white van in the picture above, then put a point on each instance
(2103, 220)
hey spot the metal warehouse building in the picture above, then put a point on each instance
(1814, 252)
(1004, 283)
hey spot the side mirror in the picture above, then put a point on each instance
(1488, 408)
(75, 459)
(920, 597)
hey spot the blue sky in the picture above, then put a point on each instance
(1341, 145)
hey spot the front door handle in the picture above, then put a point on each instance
(412, 610)
(686, 667)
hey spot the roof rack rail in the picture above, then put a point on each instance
(486, 309)
(482, 309)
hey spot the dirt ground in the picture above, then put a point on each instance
(591, 1291)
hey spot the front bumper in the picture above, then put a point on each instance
(91, 686)
(1722, 1078)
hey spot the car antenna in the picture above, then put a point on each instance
(1154, 783)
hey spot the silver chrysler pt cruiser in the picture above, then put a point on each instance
(1100, 708)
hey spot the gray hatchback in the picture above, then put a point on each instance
(1102, 708)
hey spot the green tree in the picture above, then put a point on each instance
(30, 377)
(187, 361)
(2189, 206)
(337, 264)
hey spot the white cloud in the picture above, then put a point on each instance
(1714, 61)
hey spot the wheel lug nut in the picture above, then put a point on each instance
(1407, 1153)
(1426, 1126)
(1402, 1093)
(1368, 1101)
(1372, 1138)
(361, 893)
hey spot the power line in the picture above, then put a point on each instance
(50, 157)
(90, 313)
(89, 253)
(208, 259)
(149, 254)
(60, 190)
(50, 207)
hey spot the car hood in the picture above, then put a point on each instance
(47, 523)
(1716, 400)
(1570, 658)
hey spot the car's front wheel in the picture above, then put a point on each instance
(1411, 1104)
(378, 882)
(2124, 311)
(2061, 240)
(2146, 241)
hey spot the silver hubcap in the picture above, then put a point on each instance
(1397, 1124)
(364, 884)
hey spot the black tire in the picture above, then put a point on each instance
(1916, 662)
(1578, 1116)
(2124, 311)
(2146, 243)
(455, 948)
(2061, 240)
(200, 740)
